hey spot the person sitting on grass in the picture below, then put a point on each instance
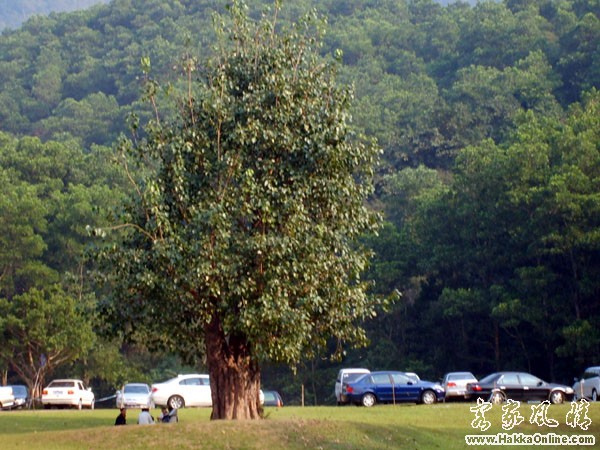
(164, 415)
(122, 417)
(145, 418)
(168, 416)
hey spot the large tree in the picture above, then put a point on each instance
(240, 242)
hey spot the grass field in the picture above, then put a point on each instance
(441, 426)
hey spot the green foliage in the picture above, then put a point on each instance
(49, 195)
(410, 62)
(513, 241)
(42, 330)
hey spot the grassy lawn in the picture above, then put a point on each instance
(442, 426)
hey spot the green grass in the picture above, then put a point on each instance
(441, 426)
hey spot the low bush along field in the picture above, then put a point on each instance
(441, 426)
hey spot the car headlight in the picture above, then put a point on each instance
(569, 390)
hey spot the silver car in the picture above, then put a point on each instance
(134, 395)
(588, 385)
(455, 384)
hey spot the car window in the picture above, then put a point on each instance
(269, 396)
(191, 382)
(79, 386)
(588, 375)
(136, 389)
(352, 376)
(509, 379)
(398, 378)
(529, 380)
(19, 390)
(413, 377)
(61, 384)
(489, 378)
(381, 378)
(461, 376)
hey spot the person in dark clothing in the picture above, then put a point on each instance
(122, 417)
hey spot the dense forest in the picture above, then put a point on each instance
(14, 13)
(489, 183)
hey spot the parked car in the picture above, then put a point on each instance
(500, 386)
(391, 387)
(455, 384)
(588, 385)
(272, 398)
(21, 395)
(346, 376)
(134, 395)
(7, 399)
(182, 391)
(68, 393)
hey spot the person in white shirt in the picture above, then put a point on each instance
(145, 418)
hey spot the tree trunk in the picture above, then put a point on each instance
(234, 375)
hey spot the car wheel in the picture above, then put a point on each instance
(428, 397)
(594, 396)
(557, 397)
(497, 398)
(368, 400)
(176, 402)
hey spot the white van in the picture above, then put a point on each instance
(345, 376)
(588, 385)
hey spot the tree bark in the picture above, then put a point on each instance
(234, 375)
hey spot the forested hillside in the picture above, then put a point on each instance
(489, 182)
(14, 13)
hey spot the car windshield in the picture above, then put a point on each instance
(20, 391)
(461, 376)
(136, 389)
(61, 384)
(269, 396)
(489, 379)
(349, 377)
(588, 375)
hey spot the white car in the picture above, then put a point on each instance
(346, 376)
(134, 395)
(588, 385)
(69, 393)
(182, 391)
(7, 398)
